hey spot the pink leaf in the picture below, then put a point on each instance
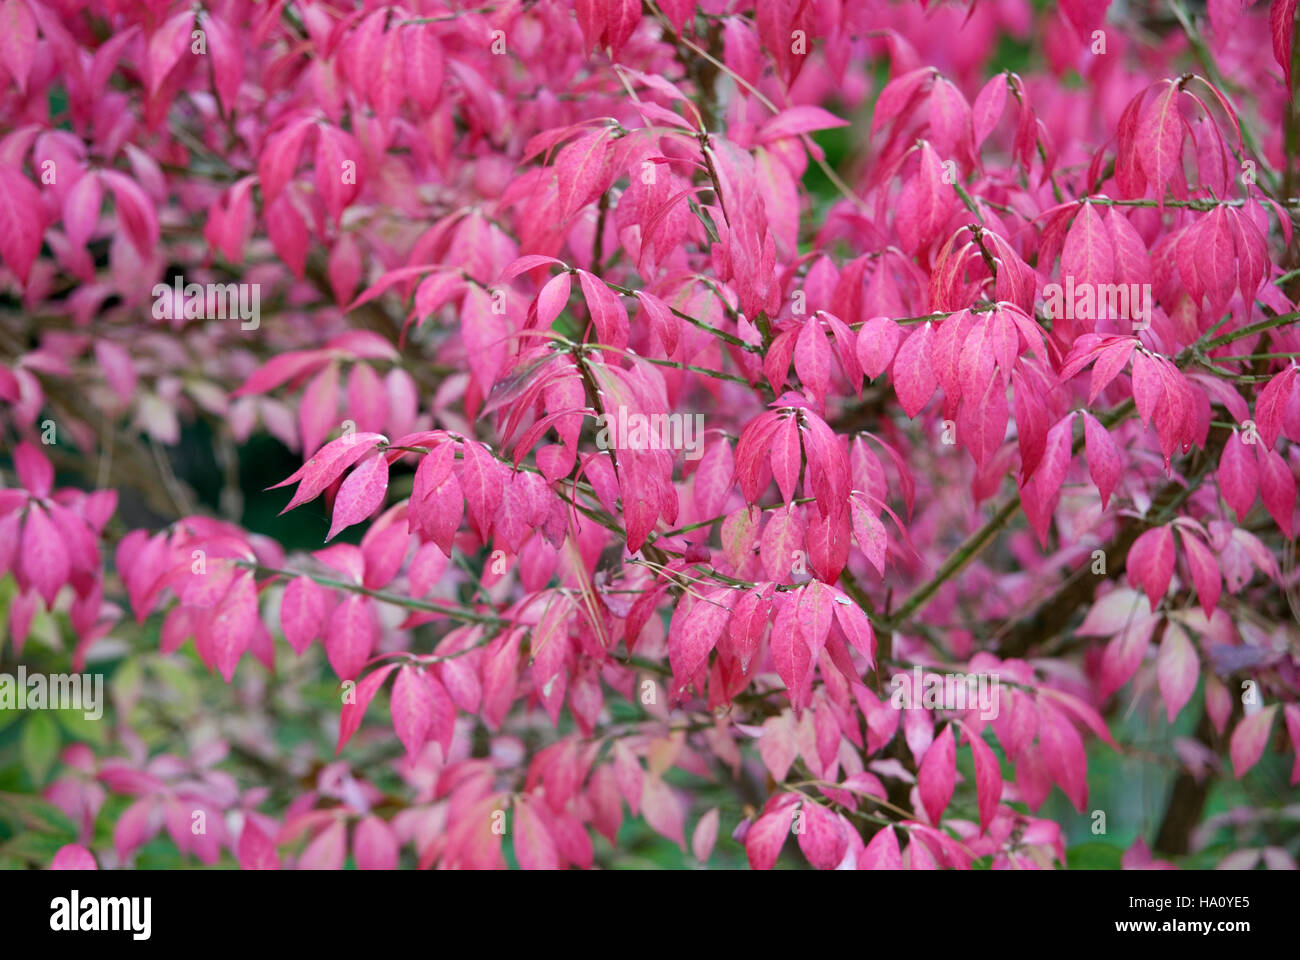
(135, 211)
(777, 746)
(938, 773)
(663, 810)
(352, 634)
(1271, 405)
(1238, 476)
(582, 171)
(73, 856)
(1205, 572)
(988, 778)
(1150, 562)
(796, 120)
(361, 494)
(1062, 753)
(914, 376)
(1104, 462)
(44, 555)
(256, 851)
(354, 707)
(985, 114)
(1159, 141)
(1177, 668)
(17, 40)
(534, 845)
(877, 343)
(824, 838)
(374, 845)
(1292, 713)
(882, 852)
(1281, 21)
(766, 837)
(21, 219)
(1249, 740)
(412, 709)
(1088, 255)
(787, 458)
(35, 472)
(1277, 488)
(705, 836)
(327, 850)
(338, 169)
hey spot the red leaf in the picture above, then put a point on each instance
(480, 478)
(914, 376)
(1238, 476)
(700, 630)
(1150, 562)
(1281, 21)
(1277, 488)
(787, 458)
(1159, 141)
(1104, 462)
(1271, 405)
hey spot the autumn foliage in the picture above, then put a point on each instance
(673, 390)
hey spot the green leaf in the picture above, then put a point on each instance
(32, 847)
(78, 727)
(37, 815)
(39, 746)
(8, 716)
(1093, 856)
